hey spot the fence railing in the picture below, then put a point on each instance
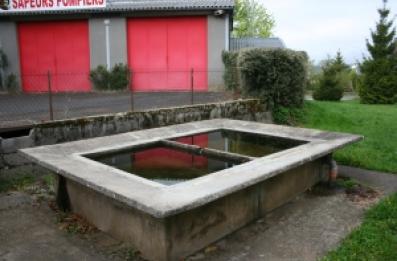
(50, 96)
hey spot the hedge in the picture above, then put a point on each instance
(278, 76)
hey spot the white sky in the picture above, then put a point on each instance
(321, 27)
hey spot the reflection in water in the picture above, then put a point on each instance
(244, 143)
(164, 165)
(169, 166)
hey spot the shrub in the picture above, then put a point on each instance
(278, 76)
(288, 116)
(11, 83)
(100, 78)
(231, 74)
(117, 78)
(331, 83)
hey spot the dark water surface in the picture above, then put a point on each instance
(244, 143)
(164, 165)
(169, 166)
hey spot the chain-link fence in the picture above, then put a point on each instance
(49, 96)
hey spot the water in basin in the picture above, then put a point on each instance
(244, 143)
(163, 165)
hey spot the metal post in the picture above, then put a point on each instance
(131, 90)
(50, 97)
(107, 37)
(192, 86)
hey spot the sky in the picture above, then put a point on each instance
(322, 27)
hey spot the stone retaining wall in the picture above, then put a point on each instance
(96, 126)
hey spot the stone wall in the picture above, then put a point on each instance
(96, 126)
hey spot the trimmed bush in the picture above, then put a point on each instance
(118, 78)
(278, 76)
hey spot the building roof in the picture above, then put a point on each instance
(170, 4)
(240, 43)
(140, 5)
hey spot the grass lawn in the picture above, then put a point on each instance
(375, 239)
(377, 123)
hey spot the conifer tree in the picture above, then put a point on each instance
(379, 83)
(339, 63)
(330, 86)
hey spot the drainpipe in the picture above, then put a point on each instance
(332, 168)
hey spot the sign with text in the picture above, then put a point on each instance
(48, 5)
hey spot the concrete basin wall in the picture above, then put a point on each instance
(177, 236)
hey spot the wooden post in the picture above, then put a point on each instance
(50, 96)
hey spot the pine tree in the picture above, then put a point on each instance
(339, 63)
(379, 83)
(331, 82)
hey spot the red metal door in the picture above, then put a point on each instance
(59, 47)
(162, 52)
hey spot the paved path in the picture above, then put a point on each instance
(28, 231)
(23, 109)
(305, 229)
(383, 181)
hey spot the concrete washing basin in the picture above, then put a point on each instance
(111, 180)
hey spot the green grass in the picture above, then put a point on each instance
(377, 123)
(16, 183)
(375, 239)
(20, 181)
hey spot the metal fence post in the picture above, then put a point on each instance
(50, 96)
(192, 86)
(131, 91)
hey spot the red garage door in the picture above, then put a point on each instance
(59, 47)
(162, 52)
